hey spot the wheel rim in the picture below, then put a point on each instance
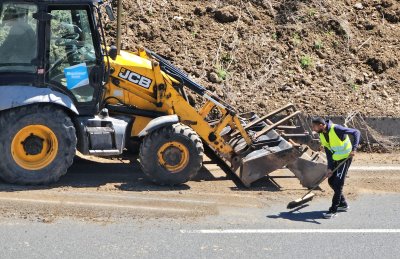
(174, 156)
(34, 147)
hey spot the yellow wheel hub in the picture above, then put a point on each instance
(34, 147)
(174, 156)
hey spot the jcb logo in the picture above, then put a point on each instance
(135, 78)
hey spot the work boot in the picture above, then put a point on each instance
(330, 214)
(343, 208)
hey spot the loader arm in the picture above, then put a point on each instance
(230, 117)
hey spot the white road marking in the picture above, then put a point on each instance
(375, 168)
(290, 231)
(92, 204)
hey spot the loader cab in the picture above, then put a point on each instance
(53, 44)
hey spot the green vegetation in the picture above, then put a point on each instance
(318, 44)
(221, 72)
(354, 86)
(311, 12)
(306, 62)
(296, 39)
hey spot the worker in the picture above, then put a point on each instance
(19, 47)
(339, 152)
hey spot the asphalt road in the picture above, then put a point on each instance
(371, 229)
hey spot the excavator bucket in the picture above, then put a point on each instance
(278, 141)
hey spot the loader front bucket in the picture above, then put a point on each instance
(258, 163)
(273, 147)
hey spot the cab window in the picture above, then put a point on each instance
(18, 37)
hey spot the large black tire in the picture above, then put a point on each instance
(183, 136)
(13, 121)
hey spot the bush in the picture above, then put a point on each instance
(306, 61)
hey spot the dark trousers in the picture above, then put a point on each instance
(336, 182)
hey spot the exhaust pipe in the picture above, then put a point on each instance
(119, 24)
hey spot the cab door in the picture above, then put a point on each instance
(75, 63)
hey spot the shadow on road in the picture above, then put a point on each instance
(264, 184)
(84, 173)
(298, 215)
(127, 175)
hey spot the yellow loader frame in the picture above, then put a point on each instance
(162, 96)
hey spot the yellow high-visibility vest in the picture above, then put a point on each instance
(340, 149)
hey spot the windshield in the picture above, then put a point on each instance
(18, 37)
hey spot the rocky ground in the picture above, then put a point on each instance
(328, 57)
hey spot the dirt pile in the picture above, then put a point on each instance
(327, 57)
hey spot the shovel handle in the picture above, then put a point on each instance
(341, 163)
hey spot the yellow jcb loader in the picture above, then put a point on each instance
(63, 90)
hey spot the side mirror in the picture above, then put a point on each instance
(113, 52)
(110, 12)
